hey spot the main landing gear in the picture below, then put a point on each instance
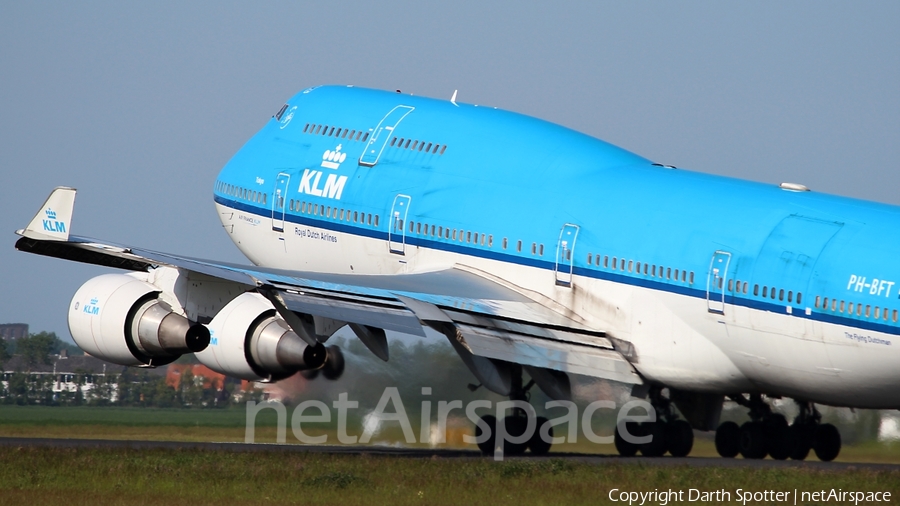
(667, 433)
(768, 433)
(515, 425)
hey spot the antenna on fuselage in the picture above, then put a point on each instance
(453, 98)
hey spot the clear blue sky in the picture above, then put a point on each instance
(139, 106)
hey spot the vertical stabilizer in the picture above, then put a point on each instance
(53, 220)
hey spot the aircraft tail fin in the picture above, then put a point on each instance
(53, 220)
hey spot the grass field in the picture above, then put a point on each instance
(100, 476)
(228, 425)
(97, 477)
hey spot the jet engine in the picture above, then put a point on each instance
(251, 341)
(119, 318)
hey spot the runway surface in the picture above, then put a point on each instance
(438, 453)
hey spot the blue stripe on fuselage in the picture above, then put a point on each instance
(615, 277)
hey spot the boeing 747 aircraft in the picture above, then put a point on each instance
(536, 250)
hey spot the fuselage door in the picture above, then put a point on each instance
(565, 254)
(396, 230)
(279, 197)
(716, 281)
(382, 134)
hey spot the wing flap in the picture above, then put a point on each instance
(561, 356)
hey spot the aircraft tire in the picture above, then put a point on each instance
(657, 445)
(679, 438)
(487, 446)
(728, 440)
(753, 440)
(627, 448)
(779, 440)
(515, 426)
(803, 435)
(827, 443)
(536, 444)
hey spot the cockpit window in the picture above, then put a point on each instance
(281, 112)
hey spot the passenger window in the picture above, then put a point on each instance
(318, 128)
(799, 295)
(772, 293)
(818, 299)
(859, 310)
(370, 219)
(432, 231)
(436, 146)
(306, 128)
(533, 248)
(790, 296)
(519, 246)
(415, 143)
(590, 258)
(365, 137)
(765, 291)
(412, 226)
(469, 237)
(895, 316)
(630, 265)
(730, 285)
(428, 148)
(331, 132)
(877, 312)
(606, 262)
(355, 216)
(646, 269)
(407, 143)
(454, 234)
(669, 276)
(490, 241)
(541, 252)
(637, 267)
(443, 148)
(615, 263)
(345, 134)
(393, 141)
(621, 264)
(781, 294)
(421, 145)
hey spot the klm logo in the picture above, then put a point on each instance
(91, 309)
(51, 224)
(311, 183)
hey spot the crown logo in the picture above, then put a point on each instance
(333, 159)
(50, 213)
(94, 301)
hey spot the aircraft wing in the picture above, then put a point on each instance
(490, 319)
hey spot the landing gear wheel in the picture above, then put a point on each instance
(753, 440)
(487, 446)
(334, 364)
(515, 427)
(536, 444)
(728, 437)
(779, 440)
(624, 447)
(657, 446)
(827, 442)
(680, 438)
(803, 435)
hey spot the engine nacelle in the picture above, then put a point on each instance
(118, 318)
(250, 341)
